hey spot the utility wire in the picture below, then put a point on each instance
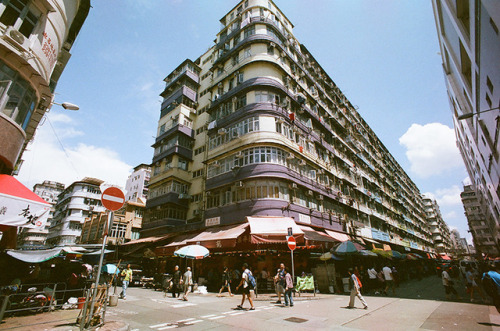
(60, 143)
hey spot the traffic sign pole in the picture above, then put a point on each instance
(112, 199)
(291, 244)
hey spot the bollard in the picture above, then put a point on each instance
(4, 306)
(105, 304)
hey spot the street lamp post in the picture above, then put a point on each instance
(469, 115)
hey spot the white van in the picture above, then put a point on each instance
(464, 263)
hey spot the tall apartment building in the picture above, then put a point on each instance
(441, 235)
(74, 204)
(36, 37)
(470, 47)
(482, 233)
(136, 187)
(35, 238)
(255, 127)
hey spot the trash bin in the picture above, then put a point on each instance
(345, 282)
(81, 302)
(113, 300)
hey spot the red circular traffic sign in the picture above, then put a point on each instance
(113, 198)
(291, 243)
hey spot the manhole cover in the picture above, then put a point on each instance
(295, 320)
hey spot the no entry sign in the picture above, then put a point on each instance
(112, 198)
(291, 243)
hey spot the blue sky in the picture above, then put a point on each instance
(383, 54)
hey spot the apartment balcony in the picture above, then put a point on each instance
(185, 74)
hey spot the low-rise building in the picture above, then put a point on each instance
(127, 222)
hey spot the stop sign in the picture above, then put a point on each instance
(113, 198)
(291, 243)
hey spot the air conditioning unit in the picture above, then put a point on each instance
(271, 44)
(221, 131)
(294, 186)
(310, 193)
(302, 163)
(280, 120)
(239, 155)
(16, 38)
(290, 156)
(239, 184)
(320, 197)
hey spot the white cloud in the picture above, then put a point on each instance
(45, 159)
(431, 149)
(449, 196)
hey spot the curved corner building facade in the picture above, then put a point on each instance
(255, 127)
(35, 39)
(469, 40)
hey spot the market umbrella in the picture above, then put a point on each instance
(381, 252)
(326, 256)
(110, 269)
(397, 255)
(346, 247)
(19, 206)
(192, 252)
(365, 252)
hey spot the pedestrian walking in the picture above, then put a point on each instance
(372, 279)
(355, 287)
(176, 282)
(246, 287)
(127, 278)
(472, 286)
(288, 288)
(389, 280)
(448, 285)
(226, 282)
(279, 282)
(187, 280)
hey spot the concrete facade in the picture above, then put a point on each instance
(468, 34)
(35, 42)
(75, 203)
(136, 187)
(35, 238)
(255, 127)
(482, 234)
(441, 235)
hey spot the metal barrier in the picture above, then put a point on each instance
(46, 297)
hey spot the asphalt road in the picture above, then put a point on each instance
(418, 305)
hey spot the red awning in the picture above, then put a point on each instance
(337, 235)
(445, 257)
(269, 230)
(19, 206)
(218, 237)
(312, 235)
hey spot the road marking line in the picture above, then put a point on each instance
(206, 316)
(216, 317)
(228, 312)
(193, 322)
(234, 314)
(269, 307)
(253, 311)
(158, 325)
(180, 305)
(186, 320)
(168, 327)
